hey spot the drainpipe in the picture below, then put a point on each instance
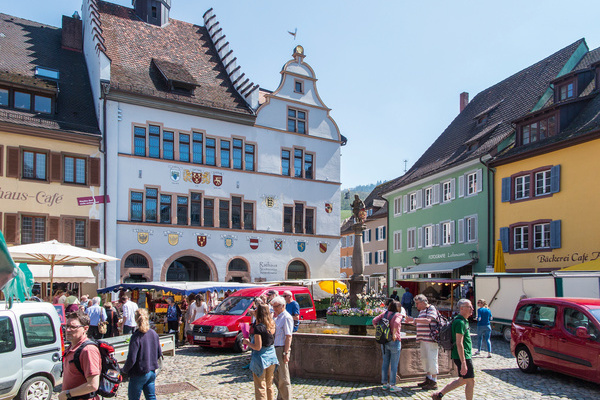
(490, 173)
(104, 89)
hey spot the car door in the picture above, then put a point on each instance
(579, 356)
(11, 373)
(543, 334)
(41, 349)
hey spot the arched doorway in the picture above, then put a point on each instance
(238, 271)
(297, 270)
(189, 269)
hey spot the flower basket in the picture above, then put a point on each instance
(350, 320)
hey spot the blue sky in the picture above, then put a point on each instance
(391, 71)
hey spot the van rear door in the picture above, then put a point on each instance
(41, 348)
(11, 375)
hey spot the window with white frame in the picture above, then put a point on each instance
(397, 241)
(366, 236)
(446, 191)
(380, 233)
(541, 236)
(411, 238)
(412, 201)
(428, 235)
(367, 258)
(542, 183)
(447, 233)
(521, 238)
(349, 262)
(471, 183)
(470, 229)
(429, 196)
(381, 257)
(522, 187)
(398, 206)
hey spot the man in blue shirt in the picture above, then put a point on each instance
(293, 308)
(407, 299)
(97, 314)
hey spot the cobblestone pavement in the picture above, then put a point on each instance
(218, 374)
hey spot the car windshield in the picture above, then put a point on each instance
(233, 305)
(596, 313)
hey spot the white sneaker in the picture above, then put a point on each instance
(395, 389)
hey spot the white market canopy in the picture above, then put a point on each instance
(55, 253)
(63, 273)
(184, 288)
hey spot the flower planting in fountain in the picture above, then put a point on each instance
(368, 305)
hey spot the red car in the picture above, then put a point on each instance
(560, 334)
(221, 327)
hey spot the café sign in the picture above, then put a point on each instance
(42, 197)
(570, 257)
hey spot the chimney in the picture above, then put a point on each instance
(464, 100)
(72, 35)
(155, 12)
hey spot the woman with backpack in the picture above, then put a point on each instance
(142, 359)
(392, 319)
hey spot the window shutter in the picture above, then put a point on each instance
(555, 241)
(383, 232)
(11, 228)
(420, 237)
(370, 258)
(68, 230)
(506, 185)
(419, 198)
(475, 228)
(53, 227)
(504, 238)
(377, 257)
(1, 159)
(461, 186)
(94, 233)
(436, 193)
(555, 179)
(384, 256)
(369, 235)
(461, 230)
(479, 180)
(55, 167)
(13, 162)
(436, 234)
(453, 188)
(377, 234)
(95, 171)
(452, 232)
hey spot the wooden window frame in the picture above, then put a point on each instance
(86, 161)
(520, 141)
(296, 119)
(530, 239)
(32, 97)
(34, 216)
(532, 184)
(47, 171)
(296, 82)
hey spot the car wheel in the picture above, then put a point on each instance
(506, 333)
(36, 388)
(238, 346)
(524, 360)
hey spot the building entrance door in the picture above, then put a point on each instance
(188, 269)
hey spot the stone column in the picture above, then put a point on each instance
(357, 280)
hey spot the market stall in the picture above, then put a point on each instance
(442, 293)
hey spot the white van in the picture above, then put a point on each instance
(31, 347)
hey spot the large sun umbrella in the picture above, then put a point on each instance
(499, 265)
(56, 253)
(332, 285)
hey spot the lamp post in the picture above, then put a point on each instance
(416, 260)
(474, 255)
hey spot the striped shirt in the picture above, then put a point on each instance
(423, 331)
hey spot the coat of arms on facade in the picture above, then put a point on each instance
(197, 177)
(323, 247)
(143, 237)
(228, 240)
(201, 240)
(253, 243)
(269, 201)
(278, 244)
(217, 180)
(175, 174)
(173, 239)
(328, 208)
(301, 246)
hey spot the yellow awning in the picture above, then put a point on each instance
(586, 266)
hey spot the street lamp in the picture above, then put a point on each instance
(416, 260)
(474, 255)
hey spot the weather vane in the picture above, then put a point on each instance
(294, 33)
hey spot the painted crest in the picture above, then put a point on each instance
(323, 247)
(362, 215)
(175, 174)
(197, 177)
(254, 243)
(173, 239)
(143, 237)
(328, 208)
(229, 242)
(201, 240)
(301, 246)
(278, 244)
(270, 202)
(217, 180)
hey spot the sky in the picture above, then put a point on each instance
(391, 71)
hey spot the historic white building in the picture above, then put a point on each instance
(209, 176)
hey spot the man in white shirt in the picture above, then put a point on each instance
(128, 323)
(284, 326)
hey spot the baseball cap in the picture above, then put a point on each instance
(272, 291)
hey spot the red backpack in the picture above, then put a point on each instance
(110, 376)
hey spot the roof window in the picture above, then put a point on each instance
(47, 73)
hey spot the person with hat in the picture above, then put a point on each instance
(271, 294)
(293, 308)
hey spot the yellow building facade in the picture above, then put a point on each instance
(571, 212)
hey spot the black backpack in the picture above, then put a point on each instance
(441, 331)
(383, 331)
(110, 376)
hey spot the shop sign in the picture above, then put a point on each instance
(569, 257)
(88, 201)
(41, 197)
(445, 255)
(266, 268)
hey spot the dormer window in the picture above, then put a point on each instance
(177, 78)
(538, 130)
(566, 91)
(482, 119)
(23, 100)
(298, 86)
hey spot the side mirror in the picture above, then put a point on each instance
(582, 332)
